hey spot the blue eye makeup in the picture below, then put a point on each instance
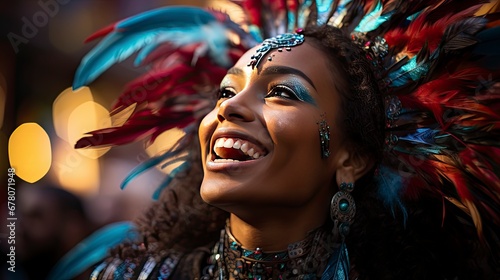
(302, 92)
(297, 89)
(290, 87)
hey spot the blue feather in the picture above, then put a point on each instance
(212, 35)
(179, 25)
(414, 16)
(390, 187)
(292, 21)
(148, 164)
(170, 177)
(338, 266)
(173, 17)
(374, 19)
(303, 13)
(425, 137)
(93, 249)
(422, 136)
(255, 33)
(324, 9)
(339, 14)
(410, 71)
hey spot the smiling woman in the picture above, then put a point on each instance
(342, 135)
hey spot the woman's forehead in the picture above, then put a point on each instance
(304, 58)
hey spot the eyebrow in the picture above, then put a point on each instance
(273, 70)
(235, 71)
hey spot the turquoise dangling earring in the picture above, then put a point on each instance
(342, 211)
(343, 208)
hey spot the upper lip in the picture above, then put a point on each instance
(231, 133)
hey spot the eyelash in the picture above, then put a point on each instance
(225, 93)
(281, 88)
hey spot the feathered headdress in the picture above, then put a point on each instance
(439, 66)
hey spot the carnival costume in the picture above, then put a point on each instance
(437, 63)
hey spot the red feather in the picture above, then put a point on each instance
(101, 33)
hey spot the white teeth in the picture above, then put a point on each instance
(229, 143)
(219, 143)
(224, 159)
(244, 147)
(237, 144)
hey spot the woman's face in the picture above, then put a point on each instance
(260, 144)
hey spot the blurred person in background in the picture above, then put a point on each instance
(51, 222)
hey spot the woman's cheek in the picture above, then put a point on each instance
(293, 126)
(206, 129)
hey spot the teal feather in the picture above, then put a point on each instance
(390, 187)
(339, 13)
(212, 35)
(292, 21)
(92, 250)
(149, 164)
(113, 49)
(255, 33)
(324, 10)
(414, 16)
(411, 71)
(170, 177)
(180, 25)
(303, 13)
(374, 19)
(174, 16)
(338, 266)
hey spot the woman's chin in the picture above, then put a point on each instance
(215, 193)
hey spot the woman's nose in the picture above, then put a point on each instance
(237, 108)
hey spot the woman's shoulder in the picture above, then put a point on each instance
(173, 265)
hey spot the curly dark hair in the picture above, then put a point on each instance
(382, 244)
(361, 101)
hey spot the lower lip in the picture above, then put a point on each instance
(230, 165)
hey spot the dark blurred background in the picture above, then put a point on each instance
(41, 45)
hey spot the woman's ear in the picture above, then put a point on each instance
(352, 165)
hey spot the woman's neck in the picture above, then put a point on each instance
(272, 234)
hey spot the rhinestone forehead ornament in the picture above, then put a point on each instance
(279, 42)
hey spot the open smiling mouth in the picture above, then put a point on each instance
(235, 149)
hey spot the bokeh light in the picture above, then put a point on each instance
(75, 172)
(87, 117)
(67, 101)
(30, 153)
(74, 114)
(234, 10)
(164, 142)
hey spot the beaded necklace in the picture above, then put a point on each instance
(230, 260)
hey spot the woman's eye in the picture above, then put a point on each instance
(225, 93)
(282, 92)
